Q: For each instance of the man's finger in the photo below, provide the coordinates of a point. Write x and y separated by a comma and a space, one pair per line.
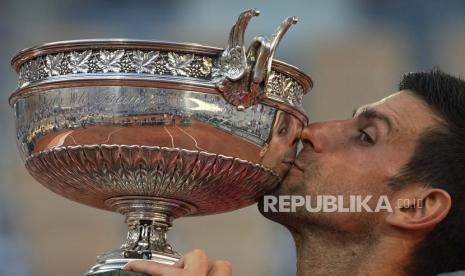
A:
196, 261
150, 267
220, 268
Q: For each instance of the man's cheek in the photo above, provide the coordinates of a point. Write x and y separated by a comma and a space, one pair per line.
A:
296, 189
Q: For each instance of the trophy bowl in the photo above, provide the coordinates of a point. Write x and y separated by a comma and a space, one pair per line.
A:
158, 130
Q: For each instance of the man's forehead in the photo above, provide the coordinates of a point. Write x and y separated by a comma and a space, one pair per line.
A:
389, 100
391, 97
405, 109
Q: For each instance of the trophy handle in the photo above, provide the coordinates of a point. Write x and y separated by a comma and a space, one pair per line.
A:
267, 49
242, 77
236, 36
233, 62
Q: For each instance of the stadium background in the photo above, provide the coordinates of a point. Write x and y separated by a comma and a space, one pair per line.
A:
355, 51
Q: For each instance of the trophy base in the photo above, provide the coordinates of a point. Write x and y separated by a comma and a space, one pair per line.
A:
113, 267
117, 272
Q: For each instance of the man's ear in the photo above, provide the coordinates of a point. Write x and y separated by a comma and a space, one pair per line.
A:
421, 212
264, 150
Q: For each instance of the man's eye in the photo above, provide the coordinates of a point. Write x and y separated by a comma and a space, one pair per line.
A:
366, 138
283, 130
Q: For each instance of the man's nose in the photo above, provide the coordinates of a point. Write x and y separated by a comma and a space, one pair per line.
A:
294, 139
322, 136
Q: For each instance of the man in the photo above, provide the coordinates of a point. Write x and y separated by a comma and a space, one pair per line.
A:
281, 148
409, 147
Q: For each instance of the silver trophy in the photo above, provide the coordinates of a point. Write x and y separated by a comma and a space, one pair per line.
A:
157, 130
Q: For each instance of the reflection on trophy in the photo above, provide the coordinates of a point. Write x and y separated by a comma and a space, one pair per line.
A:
157, 130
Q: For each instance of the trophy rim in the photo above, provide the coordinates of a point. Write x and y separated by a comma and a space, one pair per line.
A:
91, 44
98, 43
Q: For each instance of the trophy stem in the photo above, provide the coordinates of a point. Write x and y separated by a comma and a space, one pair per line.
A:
148, 219
146, 237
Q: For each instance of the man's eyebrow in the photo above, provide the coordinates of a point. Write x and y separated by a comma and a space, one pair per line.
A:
369, 113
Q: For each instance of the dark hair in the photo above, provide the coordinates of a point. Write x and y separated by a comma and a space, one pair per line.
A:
439, 161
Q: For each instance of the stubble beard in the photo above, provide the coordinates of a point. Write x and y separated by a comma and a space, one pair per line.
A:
295, 183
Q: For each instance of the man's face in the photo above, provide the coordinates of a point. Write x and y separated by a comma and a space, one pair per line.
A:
279, 154
355, 157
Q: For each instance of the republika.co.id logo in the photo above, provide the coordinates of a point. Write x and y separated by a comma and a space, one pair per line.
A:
332, 203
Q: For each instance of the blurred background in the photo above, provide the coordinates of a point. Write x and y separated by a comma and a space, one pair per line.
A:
355, 51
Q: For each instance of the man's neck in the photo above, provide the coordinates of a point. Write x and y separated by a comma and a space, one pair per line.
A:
323, 252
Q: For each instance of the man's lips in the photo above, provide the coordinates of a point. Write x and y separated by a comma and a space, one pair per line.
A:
298, 166
288, 163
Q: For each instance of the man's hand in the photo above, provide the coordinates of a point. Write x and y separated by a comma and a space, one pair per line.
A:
194, 263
